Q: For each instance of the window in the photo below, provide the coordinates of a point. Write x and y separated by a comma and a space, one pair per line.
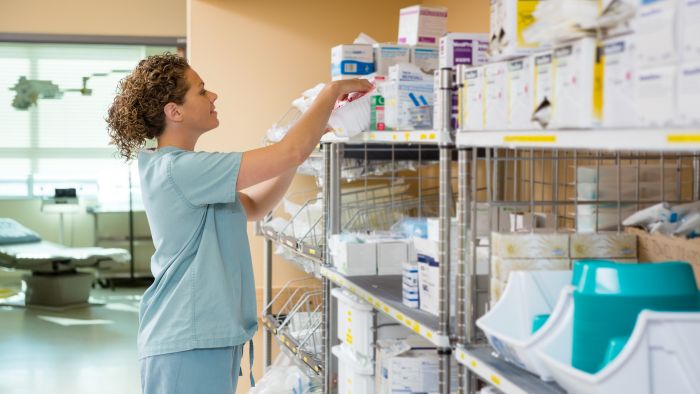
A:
63, 142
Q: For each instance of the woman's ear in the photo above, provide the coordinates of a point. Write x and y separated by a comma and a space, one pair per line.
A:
172, 112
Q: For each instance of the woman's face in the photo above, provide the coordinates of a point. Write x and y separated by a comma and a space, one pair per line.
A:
198, 109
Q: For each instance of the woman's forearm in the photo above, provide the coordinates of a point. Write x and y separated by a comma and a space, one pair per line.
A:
264, 196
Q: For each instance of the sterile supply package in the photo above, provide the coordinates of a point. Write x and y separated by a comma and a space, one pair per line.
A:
387, 55
351, 61
352, 115
425, 57
285, 377
603, 246
520, 80
509, 18
472, 111
408, 105
496, 96
577, 85
689, 29
619, 82
405, 72
655, 33
463, 48
688, 94
422, 25
543, 75
656, 96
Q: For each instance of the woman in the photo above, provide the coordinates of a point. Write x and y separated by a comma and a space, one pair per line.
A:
200, 310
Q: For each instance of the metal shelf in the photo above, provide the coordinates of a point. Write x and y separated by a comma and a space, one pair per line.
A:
502, 374
425, 137
292, 245
658, 140
384, 294
270, 323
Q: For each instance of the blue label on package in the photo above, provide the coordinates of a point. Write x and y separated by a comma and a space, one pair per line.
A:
352, 67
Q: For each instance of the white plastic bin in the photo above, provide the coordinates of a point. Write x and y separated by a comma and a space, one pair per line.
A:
662, 356
508, 326
354, 376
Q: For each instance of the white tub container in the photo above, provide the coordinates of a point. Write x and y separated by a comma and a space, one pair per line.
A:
508, 326
661, 356
354, 375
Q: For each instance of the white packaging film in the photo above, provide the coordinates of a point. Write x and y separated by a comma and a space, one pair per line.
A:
520, 80
495, 96
655, 34
655, 98
577, 98
351, 116
472, 115
425, 57
508, 20
387, 55
688, 94
422, 25
463, 48
351, 61
619, 82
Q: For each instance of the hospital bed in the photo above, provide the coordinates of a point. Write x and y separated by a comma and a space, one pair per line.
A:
55, 279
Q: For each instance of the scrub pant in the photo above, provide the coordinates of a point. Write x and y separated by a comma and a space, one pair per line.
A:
213, 370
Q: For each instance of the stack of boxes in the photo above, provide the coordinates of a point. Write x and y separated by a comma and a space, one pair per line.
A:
534, 251
366, 255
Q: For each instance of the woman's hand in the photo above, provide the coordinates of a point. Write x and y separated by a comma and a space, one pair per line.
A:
341, 89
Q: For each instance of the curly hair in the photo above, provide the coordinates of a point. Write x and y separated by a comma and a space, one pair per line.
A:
137, 111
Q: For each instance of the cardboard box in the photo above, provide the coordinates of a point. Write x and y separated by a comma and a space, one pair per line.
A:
658, 247
509, 18
543, 75
690, 30
530, 245
429, 284
422, 25
655, 33
387, 55
356, 258
656, 96
351, 61
402, 100
502, 267
408, 368
472, 100
688, 93
496, 97
391, 256
520, 80
604, 217
426, 57
404, 72
603, 246
577, 92
619, 82
463, 48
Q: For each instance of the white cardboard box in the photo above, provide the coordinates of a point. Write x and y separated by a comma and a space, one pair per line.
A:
391, 256
577, 98
356, 258
655, 33
472, 115
387, 55
463, 48
656, 96
399, 100
405, 72
688, 93
422, 25
619, 82
543, 75
690, 30
496, 97
521, 103
351, 61
530, 245
426, 57
604, 246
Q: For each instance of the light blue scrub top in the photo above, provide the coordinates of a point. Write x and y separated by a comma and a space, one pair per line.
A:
203, 295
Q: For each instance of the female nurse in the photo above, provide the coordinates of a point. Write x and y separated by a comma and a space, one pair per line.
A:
200, 310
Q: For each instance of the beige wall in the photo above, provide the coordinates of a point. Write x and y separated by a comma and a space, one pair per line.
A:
465, 16
94, 17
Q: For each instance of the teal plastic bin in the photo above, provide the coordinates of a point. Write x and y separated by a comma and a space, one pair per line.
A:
610, 296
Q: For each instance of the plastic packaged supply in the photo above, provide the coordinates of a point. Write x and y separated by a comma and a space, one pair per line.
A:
387, 55
688, 93
463, 48
509, 18
655, 25
689, 224
543, 80
351, 61
655, 213
619, 82
400, 98
351, 116
520, 80
577, 98
690, 29
656, 96
422, 25
472, 101
425, 57
495, 96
